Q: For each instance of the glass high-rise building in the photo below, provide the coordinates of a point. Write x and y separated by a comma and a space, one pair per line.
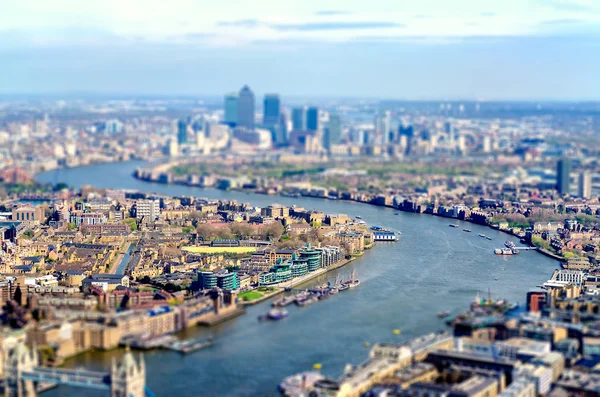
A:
182, 132
333, 132
231, 109
245, 117
312, 119
299, 119
271, 110
563, 176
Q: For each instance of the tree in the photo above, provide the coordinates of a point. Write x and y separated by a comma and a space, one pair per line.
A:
206, 231
132, 222
71, 226
242, 230
272, 231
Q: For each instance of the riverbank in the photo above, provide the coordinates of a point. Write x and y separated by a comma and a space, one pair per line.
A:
281, 287
391, 206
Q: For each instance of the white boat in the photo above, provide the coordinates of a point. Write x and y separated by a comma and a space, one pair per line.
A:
353, 282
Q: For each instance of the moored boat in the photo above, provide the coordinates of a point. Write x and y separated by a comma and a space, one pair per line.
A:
467, 230
443, 314
277, 314
353, 282
284, 301
453, 225
482, 235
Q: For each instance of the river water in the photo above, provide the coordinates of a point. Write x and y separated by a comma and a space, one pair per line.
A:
404, 285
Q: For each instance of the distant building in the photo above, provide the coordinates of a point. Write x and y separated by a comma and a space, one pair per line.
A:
245, 108
333, 132
383, 126
271, 110
312, 119
274, 120
231, 109
182, 132
563, 176
585, 185
113, 126
299, 119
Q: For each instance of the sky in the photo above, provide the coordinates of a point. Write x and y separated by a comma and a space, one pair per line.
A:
389, 49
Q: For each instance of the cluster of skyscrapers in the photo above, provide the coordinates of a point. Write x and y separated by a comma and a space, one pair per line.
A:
240, 111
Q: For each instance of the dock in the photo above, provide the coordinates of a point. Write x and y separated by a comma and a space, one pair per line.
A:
522, 248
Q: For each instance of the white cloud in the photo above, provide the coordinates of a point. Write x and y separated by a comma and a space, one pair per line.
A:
237, 22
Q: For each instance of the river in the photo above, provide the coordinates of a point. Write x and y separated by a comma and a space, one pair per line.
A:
403, 285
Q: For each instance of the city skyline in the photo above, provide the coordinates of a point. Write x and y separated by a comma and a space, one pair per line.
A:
464, 50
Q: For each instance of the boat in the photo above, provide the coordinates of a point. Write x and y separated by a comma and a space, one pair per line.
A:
358, 217
380, 234
277, 314
443, 314
488, 237
189, 346
482, 235
395, 213
353, 282
307, 301
343, 287
509, 244
286, 300
506, 251
452, 225
300, 384
496, 278
467, 230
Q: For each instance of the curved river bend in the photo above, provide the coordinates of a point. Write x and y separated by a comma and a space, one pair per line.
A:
403, 285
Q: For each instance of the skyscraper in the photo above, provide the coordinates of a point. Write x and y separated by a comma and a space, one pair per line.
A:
272, 110
245, 116
299, 119
312, 119
563, 176
585, 185
383, 123
333, 132
231, 109
181, 132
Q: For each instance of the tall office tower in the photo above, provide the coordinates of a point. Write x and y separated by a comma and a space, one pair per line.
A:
383, 123
182, 132
585, 185
271, 110
333, 132
299, 119
281, 130
563, 176
245, 116
312, 119
231, 109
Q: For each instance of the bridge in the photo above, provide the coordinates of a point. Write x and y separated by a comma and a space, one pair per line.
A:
23, 373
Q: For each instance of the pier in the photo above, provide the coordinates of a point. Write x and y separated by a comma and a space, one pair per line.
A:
521, 248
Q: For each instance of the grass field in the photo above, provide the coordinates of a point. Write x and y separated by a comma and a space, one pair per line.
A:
250, 296
217, 250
